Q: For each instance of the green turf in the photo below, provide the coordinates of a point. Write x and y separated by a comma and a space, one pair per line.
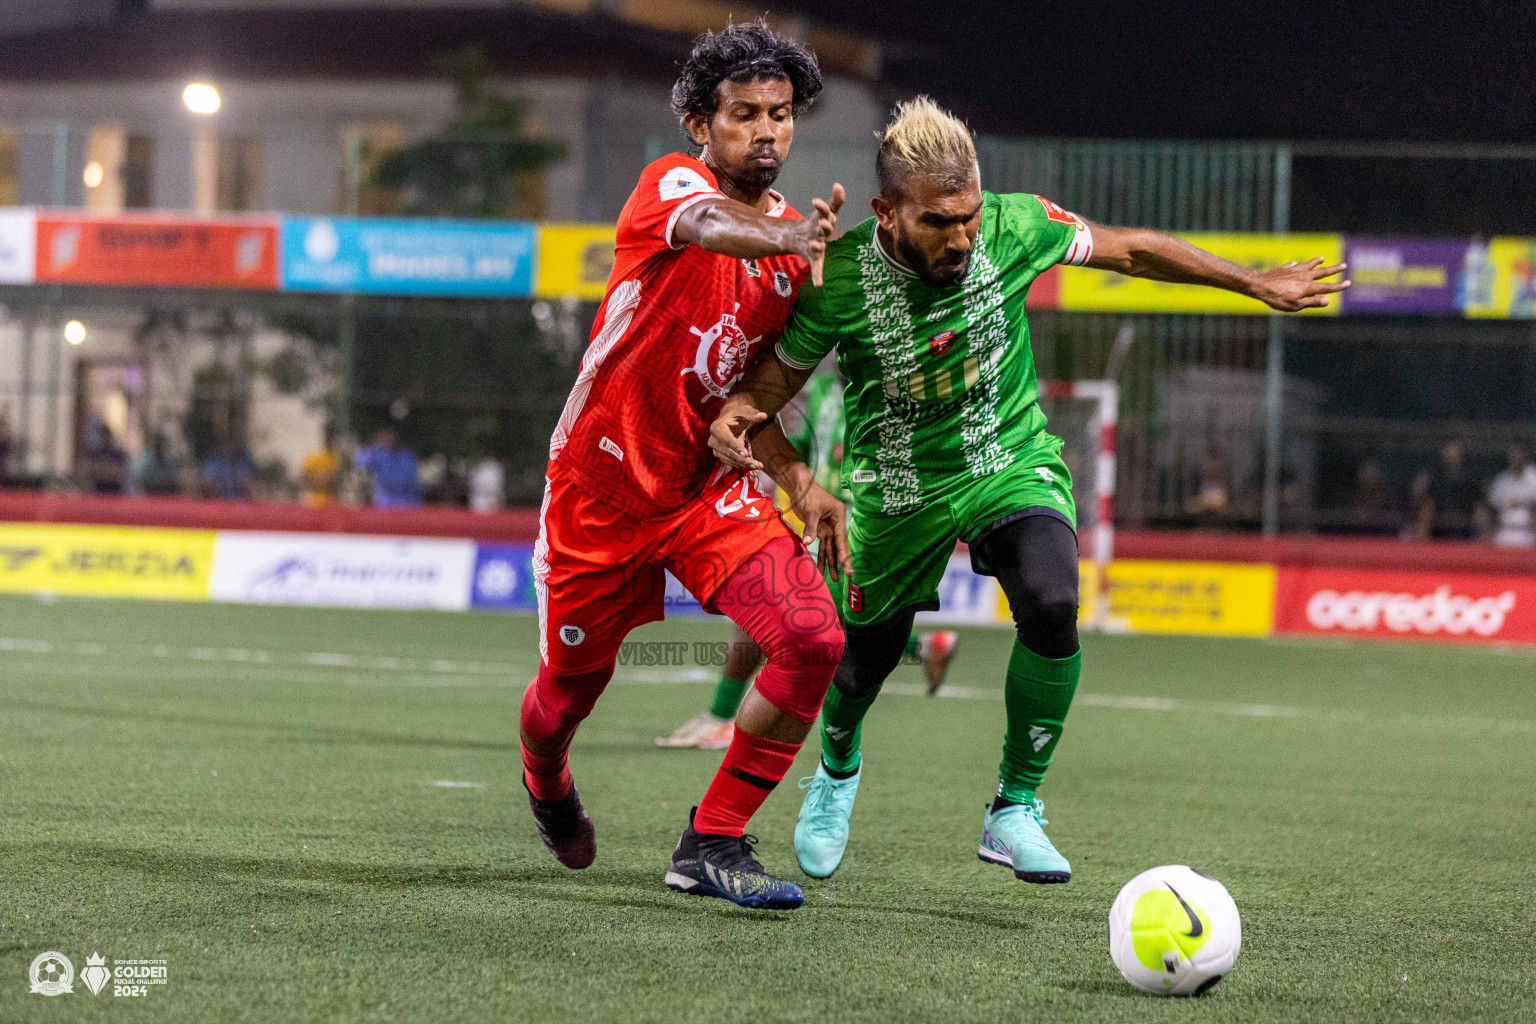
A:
249, 794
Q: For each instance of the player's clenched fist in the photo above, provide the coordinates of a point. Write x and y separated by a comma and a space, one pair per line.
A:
817, 230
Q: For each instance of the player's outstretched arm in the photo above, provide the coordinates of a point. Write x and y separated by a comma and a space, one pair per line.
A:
762, 391
1138, 252
737, 230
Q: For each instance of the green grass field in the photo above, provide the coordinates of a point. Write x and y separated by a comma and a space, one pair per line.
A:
255, 796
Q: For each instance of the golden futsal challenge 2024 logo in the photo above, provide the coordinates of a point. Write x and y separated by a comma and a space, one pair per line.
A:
53, 974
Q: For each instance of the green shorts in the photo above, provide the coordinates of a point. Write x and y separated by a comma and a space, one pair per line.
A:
898, 560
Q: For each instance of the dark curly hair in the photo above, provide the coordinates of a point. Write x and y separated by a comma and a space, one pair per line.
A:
741, 53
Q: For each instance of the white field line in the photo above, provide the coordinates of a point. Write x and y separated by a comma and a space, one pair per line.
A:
287, 666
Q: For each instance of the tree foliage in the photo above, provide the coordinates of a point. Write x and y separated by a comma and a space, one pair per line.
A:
481, 164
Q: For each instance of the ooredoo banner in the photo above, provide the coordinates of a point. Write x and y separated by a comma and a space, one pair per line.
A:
1406, 605
339, 571
156, 251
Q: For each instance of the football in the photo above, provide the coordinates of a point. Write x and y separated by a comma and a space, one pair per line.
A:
1174, 931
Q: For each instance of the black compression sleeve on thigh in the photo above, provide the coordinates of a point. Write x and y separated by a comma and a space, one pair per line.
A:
870, 653
1035, 560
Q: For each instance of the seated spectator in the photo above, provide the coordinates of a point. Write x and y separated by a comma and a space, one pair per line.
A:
1454, 497
321, 472
1209, 502
391, 471
1421, 507
487, 486
154, 471
1372, 505
1512, 496
228, 474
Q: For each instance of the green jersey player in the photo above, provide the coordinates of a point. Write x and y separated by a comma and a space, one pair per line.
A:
816, 431
946, 441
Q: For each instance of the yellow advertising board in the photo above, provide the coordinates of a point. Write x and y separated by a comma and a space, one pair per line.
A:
1502, 284
1208, 598
105, 561
573, 261
1102, 291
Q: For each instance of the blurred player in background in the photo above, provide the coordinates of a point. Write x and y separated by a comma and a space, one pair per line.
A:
707, 263
813, 421
924, 304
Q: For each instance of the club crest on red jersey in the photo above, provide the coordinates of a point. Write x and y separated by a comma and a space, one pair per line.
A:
721, 356
940, 343
753, 270
743, 502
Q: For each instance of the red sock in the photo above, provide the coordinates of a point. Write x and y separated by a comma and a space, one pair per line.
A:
553, 706
547, 778
752, 767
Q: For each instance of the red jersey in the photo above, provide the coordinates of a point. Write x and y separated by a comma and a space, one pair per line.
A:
677, 328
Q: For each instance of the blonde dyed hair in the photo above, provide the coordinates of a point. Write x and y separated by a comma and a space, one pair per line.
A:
925, 139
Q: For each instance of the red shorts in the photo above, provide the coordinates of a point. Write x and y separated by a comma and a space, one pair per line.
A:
599, 572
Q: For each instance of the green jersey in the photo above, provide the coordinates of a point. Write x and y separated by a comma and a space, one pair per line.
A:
941, 380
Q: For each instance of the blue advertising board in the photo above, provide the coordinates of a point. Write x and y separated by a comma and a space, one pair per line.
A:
503, 581
388, 256
503, 578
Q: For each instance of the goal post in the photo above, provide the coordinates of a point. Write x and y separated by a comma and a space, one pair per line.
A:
1084, 414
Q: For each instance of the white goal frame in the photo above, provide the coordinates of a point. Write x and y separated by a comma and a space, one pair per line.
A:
1102, 549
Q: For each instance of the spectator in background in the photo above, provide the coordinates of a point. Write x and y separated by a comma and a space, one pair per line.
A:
487, 486
321, 472
228, 474
392, 472
1211, 499
1372, 505
154, 471
1512, 496
1450, 509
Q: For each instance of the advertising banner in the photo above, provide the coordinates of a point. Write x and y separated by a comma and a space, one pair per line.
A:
18, 246
341, 571
105, 561
1202, 598
1103, 291
156, 251
382, 256
966, 598
1404, 275
503, 579
574, 261
1499, 280
1407, 605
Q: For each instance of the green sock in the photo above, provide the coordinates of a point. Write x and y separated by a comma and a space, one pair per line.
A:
842, 719
914, 651
728, 694
1038, 693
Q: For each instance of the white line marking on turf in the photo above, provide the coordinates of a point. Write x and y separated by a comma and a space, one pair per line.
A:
450, 784
268, 666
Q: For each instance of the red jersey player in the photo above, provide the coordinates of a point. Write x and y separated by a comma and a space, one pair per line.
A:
708, 262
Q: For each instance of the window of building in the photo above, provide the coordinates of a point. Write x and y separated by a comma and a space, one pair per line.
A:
239, 170
138, 172
363, 148
10, 191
